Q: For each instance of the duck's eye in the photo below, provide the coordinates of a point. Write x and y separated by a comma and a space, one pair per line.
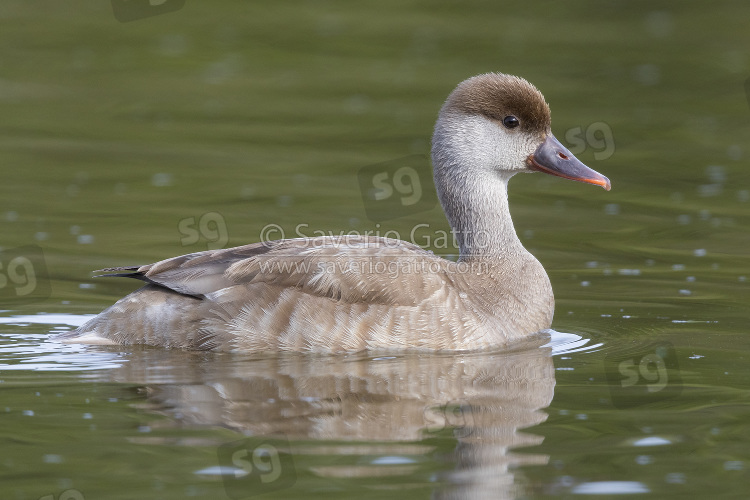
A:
511, 121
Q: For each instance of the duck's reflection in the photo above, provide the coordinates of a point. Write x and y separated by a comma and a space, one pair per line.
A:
375, 408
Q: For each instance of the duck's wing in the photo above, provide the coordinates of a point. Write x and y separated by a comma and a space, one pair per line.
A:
351, 269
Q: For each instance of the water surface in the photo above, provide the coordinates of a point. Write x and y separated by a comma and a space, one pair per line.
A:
216, 124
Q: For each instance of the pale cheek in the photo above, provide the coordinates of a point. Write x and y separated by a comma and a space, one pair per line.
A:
513, 153
529, 147
478, 143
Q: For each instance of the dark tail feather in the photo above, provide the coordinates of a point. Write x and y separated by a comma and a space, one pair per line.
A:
129, 269
139, 276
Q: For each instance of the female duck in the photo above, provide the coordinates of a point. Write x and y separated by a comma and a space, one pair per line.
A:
325, 294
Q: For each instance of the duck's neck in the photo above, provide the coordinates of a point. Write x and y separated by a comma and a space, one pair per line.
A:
476, 204
467, 155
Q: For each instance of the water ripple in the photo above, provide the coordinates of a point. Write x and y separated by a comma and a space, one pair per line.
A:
564, 343
35, 352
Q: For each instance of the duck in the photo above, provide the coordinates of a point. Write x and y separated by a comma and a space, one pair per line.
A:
326, 295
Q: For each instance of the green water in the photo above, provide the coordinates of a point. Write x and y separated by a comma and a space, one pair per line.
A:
126, 143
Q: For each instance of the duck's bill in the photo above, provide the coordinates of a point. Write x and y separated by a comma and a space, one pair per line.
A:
555, 159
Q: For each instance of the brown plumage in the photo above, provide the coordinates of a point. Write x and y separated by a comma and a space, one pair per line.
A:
497, 98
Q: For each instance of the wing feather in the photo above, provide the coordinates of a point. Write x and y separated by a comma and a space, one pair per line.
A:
353, 269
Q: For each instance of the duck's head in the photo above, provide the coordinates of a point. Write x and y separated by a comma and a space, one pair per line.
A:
501, 123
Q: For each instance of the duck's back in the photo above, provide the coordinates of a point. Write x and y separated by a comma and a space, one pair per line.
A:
324, 295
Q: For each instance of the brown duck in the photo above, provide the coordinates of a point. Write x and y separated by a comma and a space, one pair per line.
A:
325, 294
